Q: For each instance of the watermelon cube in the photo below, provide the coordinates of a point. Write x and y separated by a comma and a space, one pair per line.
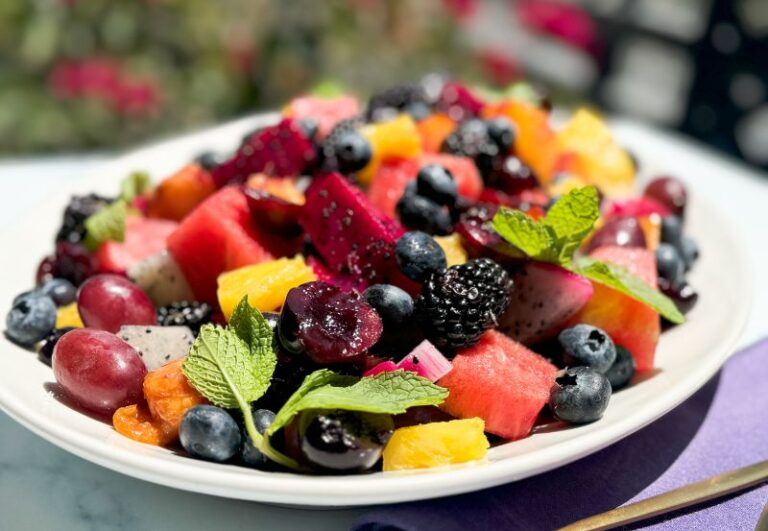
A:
630, 323
143, 238
219, 235
500, 381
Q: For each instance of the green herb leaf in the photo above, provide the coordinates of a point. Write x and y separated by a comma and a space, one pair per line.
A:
250, 326
571, 219
388, 392
136, 184
328, 89
221, 366
528, 235
620, 279
108, 224
313, 381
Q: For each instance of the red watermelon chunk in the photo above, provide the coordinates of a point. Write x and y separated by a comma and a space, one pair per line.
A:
500, 381
219, 235
630, 323
389, 182
143, 238
327, 112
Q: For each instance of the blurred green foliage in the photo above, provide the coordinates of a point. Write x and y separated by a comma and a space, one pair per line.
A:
84, 74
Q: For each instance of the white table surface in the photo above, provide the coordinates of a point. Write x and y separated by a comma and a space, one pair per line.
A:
43, 487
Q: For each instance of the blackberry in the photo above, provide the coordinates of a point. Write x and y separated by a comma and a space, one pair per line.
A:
401, 98
458, 304
472, 139
192, 314
80, 208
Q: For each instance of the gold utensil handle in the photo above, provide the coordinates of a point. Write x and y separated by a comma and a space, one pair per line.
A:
762, 524
694, 493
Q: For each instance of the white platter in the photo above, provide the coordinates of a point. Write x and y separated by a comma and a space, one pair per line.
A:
687, 357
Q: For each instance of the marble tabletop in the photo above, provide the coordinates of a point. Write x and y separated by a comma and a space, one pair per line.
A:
43, 487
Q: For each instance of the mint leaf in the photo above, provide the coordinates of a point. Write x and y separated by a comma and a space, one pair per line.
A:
220, 366
327, 89
134, 185
620, 279
389, 392
250, 326
108, 224
571, 219
226, 371
528, 235
313, 381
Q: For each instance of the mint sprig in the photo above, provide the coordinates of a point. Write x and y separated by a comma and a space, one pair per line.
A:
134, 185
233, 367
108, 224
557, 237
389, 393
620, 279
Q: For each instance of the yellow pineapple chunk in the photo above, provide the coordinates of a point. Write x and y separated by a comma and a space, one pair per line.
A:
266, 284
455, 253
436, 444
68, 316
398, 138
599, 159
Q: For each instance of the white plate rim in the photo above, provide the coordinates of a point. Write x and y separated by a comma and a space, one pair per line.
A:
236, 482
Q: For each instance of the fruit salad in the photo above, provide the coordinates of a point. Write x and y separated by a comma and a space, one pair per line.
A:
386, 284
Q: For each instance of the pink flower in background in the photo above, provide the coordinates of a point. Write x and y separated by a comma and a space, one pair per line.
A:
102, 79
562, 20
500, 67
461, 9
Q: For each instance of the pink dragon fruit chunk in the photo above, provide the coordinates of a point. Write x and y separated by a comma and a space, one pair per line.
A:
545, 296
425, 360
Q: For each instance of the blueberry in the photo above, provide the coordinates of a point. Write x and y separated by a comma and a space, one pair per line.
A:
343, 441
419, 213
690, 251
670, 264
61, 290
32, 317
45, 353
672, 230
209, 433
249, 454
683, 295
393, 304
580, 395
589, 346
622, 370
208, 160
351, 152
502, 133
435, 182
419, 255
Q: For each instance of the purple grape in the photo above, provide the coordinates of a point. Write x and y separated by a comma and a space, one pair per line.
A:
622, 232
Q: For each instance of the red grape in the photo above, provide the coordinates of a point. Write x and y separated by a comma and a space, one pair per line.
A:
107, 302
98, 370
623, 232
670, 192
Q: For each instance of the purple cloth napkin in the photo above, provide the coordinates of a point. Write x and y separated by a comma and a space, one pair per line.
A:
722, 427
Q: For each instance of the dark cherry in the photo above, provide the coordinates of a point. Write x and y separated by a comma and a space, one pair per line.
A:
512, 176
421, 415
274, 212
329, 325
343, 441
73, 262
621, 231
481, 240
670, 192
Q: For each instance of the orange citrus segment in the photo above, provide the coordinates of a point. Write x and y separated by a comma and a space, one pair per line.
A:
398, 138
68, 316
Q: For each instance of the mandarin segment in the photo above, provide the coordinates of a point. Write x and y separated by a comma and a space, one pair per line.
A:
68, 316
